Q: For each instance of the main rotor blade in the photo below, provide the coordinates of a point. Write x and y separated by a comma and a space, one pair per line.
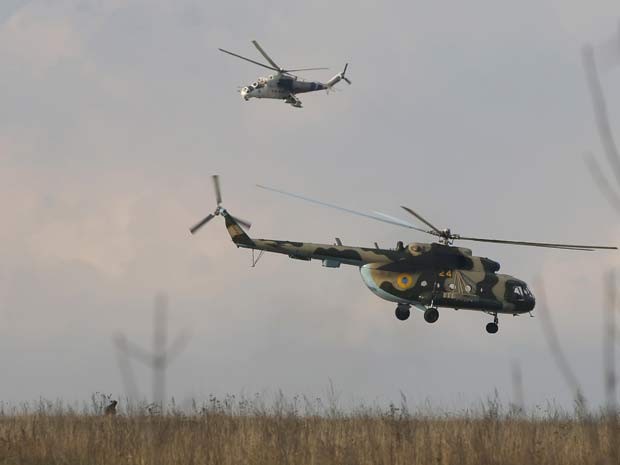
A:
541, 244
199, 225
267, 57
218, 192
303, 69
409, 210
248, 59
336, 207
401, 222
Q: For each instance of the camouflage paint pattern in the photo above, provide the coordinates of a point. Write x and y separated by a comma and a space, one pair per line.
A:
419, 274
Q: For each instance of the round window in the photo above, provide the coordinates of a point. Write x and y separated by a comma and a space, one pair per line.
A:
468, 288
423, 284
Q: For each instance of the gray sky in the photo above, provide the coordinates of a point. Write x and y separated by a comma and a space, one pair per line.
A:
115, 113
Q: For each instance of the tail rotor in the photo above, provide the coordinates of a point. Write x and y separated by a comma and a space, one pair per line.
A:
219, 210
342, 75
337, 78
218, 191
194, 229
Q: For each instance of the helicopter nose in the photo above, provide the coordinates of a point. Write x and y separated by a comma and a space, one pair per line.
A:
245, 93
529, 302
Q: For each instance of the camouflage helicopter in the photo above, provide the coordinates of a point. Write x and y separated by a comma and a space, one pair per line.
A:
283, 85
425, 276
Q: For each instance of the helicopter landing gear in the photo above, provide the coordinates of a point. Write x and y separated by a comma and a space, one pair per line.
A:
402, 312
431, 315
492, 328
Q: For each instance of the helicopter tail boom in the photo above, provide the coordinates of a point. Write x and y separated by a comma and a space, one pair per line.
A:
237, 234
332, 255
337, 78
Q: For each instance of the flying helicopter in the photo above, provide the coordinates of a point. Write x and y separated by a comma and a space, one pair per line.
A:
425, 276
283, 84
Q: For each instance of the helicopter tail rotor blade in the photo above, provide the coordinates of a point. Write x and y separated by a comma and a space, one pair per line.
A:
338, 77
344, 71
218, 191
246, 224
219, 210
194, 229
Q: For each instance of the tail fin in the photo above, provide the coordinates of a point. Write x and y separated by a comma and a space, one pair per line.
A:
337, 78
237, 234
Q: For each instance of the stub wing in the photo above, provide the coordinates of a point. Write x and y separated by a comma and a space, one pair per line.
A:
293, 100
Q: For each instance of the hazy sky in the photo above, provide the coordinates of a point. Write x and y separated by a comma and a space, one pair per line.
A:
114, 114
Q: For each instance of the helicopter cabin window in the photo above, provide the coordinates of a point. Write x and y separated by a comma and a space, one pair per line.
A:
285, 83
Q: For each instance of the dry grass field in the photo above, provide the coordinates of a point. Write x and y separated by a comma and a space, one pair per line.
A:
284, 436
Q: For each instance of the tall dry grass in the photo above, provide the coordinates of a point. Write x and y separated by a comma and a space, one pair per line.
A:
223, 433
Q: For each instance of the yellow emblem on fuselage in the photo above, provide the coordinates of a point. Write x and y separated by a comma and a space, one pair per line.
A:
404, 281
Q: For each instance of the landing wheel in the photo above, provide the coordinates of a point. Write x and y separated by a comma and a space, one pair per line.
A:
402, 312
431, 315
492, 328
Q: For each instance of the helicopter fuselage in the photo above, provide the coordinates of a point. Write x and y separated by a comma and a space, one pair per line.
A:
421, 274
458, 288
279, 86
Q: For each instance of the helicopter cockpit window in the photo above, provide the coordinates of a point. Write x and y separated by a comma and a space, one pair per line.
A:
518, 293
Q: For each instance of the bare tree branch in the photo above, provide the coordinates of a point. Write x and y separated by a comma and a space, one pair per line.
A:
555, 347
127, 375
609, 343
132, 350
600, 111
601, 182
609, 360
